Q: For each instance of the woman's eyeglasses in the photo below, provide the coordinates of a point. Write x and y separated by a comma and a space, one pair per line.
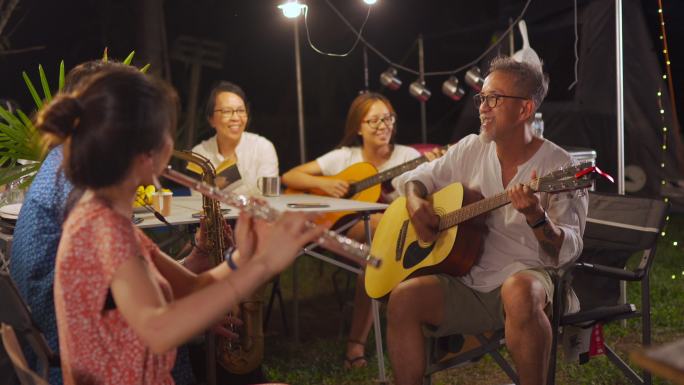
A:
228, 113
388, 120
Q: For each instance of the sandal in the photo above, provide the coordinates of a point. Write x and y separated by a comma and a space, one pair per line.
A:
357, 361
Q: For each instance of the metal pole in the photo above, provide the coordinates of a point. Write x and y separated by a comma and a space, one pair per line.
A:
620, 112
620, 98
423, 110
300, 96
366, 83
511, 39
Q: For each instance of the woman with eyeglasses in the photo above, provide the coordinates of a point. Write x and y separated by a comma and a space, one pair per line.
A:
368, 137
227, 111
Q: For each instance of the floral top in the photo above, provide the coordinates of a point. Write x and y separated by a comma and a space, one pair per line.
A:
97, 346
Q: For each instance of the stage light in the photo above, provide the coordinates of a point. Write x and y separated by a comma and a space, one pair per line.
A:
370, 2
292, 9
474, 79
418, 91
451, 89
390, 80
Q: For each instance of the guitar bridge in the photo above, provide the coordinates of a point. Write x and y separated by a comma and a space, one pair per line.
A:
401, 240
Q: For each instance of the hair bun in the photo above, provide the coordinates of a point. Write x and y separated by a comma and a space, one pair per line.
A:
61, 116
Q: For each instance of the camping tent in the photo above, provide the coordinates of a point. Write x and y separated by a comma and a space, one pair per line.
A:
585, 116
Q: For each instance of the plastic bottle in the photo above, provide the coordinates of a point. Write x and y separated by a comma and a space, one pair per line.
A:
538, 125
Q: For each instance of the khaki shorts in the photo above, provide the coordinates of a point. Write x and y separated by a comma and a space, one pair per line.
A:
468, 311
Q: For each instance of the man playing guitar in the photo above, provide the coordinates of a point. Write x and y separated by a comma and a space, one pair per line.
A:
508, 287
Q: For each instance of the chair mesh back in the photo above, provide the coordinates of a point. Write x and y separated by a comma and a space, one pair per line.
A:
617, 227
13, 310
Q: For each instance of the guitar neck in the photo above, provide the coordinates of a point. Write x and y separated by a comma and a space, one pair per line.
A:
472, 210
388, 174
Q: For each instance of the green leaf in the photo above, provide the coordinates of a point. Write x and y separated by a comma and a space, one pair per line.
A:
61, 75
145, 68
105, 57
32, 90
44, 83
25, 119
9, 117
129, 58
10, 174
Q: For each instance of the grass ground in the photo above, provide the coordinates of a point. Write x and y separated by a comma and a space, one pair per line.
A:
317, 358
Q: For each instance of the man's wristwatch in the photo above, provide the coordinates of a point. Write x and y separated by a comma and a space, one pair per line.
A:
539, 222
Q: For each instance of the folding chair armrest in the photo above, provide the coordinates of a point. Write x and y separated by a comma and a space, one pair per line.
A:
610, 272
602, 314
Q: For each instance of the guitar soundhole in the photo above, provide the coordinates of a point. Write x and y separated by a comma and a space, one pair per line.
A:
401, 240
416, 254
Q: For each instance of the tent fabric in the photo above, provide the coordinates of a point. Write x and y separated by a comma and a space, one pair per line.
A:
585, 116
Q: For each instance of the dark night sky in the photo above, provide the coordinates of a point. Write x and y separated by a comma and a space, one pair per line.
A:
258, 44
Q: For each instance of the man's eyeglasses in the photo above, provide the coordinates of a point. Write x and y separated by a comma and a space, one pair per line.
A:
228, 113
492, 100
374, 123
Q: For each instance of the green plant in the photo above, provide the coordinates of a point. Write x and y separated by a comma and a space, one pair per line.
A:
22, 150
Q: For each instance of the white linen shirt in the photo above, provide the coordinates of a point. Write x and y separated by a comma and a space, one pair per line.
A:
256, 157
510, 245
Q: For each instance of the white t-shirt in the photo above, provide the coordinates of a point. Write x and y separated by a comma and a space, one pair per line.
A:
337, 160
510, 245
256, 157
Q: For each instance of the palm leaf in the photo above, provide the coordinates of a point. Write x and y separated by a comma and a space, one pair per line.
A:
61, 75
44, 83
9, 117
129, 58
32, 90
15, 172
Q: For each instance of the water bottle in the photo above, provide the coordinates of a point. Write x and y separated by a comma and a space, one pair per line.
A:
538, 125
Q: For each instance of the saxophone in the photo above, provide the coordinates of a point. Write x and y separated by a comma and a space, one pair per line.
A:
247, 354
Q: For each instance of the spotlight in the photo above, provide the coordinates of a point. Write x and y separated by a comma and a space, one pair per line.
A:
370, 2
390, 80
292, 8
451, 89
418, 91
474, 79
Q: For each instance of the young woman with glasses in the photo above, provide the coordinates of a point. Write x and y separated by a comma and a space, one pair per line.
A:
368, 137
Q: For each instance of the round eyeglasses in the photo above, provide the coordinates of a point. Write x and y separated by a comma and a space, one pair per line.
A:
374, 123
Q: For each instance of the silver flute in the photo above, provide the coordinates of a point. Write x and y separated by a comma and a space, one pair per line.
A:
346, 247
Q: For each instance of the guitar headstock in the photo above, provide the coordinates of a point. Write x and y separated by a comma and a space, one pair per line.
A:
572, 177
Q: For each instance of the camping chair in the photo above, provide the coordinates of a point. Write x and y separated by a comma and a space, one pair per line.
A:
17, 325
617, 227
16, 355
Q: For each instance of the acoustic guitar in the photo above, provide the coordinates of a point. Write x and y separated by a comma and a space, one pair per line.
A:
364, 185
461, 227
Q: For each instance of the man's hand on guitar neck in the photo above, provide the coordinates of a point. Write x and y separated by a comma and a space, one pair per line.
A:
423, 217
